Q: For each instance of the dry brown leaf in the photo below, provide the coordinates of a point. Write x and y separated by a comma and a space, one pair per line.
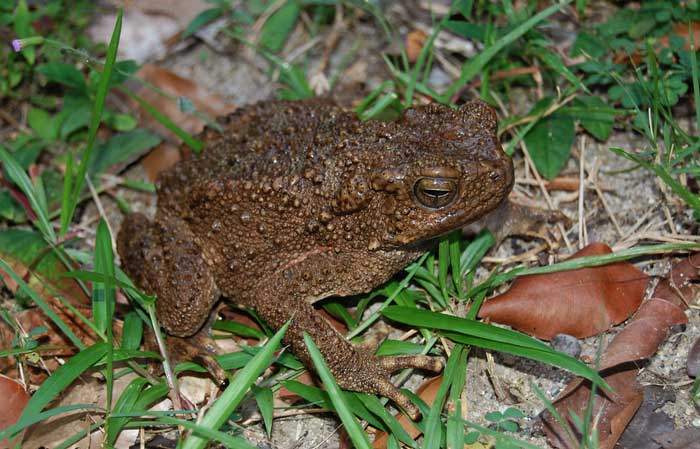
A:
611, 413
644, 333
427, 391
27, 255
581, 302
681, 286
165, 155
638, 340
415, 40
14, 399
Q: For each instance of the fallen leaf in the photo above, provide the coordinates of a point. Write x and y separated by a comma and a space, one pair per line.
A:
612, 413
27, 254
680, 286
415, 40
14, 399
581, 302
638, 340
167, 154
643, 335
30, 257
53, 431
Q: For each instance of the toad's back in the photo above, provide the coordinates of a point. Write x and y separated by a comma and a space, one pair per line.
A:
265, 141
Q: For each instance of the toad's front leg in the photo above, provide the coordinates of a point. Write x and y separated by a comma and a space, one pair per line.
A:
354, 368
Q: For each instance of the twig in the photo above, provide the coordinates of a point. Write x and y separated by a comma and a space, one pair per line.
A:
547, 198
593, 176
582, 235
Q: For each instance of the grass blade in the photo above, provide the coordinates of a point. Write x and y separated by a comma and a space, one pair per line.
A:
434, 429
42, 305
475, 65
375, 406
239, 386
195, 144
126, 403
103, 300
38, 417
95, 118
475, 333
548, 355
36, 198
263, 397
61, 378
200, 431
352, 426
425, 318
103, 294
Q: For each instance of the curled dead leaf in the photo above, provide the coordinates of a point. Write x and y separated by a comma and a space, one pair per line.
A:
644, 333
581, 302
612, 412
176, 87
14, 399
638, 340
681, 286
415, 40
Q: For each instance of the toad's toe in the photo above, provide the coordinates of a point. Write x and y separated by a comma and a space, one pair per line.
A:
201, 349
383, 386
395, 363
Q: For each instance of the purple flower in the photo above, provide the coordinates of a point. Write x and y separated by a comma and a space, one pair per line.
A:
19, 44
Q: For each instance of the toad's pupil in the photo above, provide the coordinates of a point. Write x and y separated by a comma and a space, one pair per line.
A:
436, 193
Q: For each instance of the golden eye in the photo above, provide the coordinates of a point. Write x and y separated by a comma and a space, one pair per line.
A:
435, 193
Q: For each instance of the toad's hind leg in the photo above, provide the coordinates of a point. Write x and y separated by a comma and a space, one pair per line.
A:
162, 258
354, 368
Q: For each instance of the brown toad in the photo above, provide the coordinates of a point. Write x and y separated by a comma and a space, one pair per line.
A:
299, 201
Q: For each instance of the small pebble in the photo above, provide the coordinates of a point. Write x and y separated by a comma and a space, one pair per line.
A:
567, 344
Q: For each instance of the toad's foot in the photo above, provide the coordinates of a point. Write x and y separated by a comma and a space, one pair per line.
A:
199, 348
374, 377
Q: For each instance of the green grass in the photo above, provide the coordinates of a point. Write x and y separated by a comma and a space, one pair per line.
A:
595, 95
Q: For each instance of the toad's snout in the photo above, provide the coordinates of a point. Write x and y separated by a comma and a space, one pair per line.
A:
497, 174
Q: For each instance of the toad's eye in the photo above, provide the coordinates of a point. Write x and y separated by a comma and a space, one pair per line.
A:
435, 193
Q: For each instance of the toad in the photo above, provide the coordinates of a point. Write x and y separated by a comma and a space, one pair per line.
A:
300, 201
